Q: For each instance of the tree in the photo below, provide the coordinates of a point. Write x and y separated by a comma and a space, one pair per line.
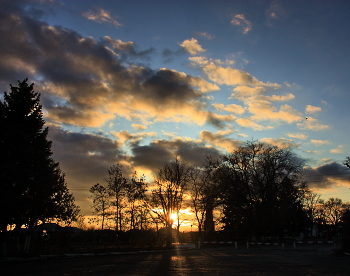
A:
334, 209
136, 196
100, 203
32, 185
205, 190
117, 185
167, 196
263, 190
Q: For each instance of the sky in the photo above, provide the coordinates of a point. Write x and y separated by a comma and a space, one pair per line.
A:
140, 83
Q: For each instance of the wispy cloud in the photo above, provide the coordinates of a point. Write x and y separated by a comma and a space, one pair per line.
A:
239, 20
320, 142
301, 136
101, 16
204, 34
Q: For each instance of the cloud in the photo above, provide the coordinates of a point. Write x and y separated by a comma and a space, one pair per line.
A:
338, 150
152, 157
219, 120
275, 13
280, 142
231, 108
85, 159
138, 126
312, 124
312, 109
229, 76
320, 142
244, 122
301, 136
126, 136
327, 175
239, 20
101, 16
261, 107
70, 116
205, 35
192, 46
219, 140
87, 82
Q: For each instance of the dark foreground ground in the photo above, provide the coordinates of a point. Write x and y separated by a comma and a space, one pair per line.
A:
305, 260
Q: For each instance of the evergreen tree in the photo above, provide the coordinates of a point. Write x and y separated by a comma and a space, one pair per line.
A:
32, 185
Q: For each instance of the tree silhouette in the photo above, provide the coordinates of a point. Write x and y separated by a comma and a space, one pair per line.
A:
32, 185
167, 196
264, 190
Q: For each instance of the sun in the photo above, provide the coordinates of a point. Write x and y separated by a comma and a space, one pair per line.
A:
173, 216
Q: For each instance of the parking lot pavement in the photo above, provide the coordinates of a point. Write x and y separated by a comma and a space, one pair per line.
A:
308, 260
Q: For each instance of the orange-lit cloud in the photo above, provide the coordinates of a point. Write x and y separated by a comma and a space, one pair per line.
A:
320, 142
312, 124
301, 136
244, 122
280, 142
192, 46
219, 140
312, 109
232, 108
327, 176
101, 16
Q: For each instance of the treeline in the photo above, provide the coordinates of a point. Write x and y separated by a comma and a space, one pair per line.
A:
258, 191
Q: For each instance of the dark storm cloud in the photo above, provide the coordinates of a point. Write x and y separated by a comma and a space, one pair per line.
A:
327, 175
85, 158
169, 55
157, 153
168, 86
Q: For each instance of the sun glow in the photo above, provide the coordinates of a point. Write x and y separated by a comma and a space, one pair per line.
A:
173, 217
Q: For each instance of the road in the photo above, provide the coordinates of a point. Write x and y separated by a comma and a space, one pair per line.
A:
306, 261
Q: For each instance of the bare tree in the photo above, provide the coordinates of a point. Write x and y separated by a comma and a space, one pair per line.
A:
205, 191
136, 196
167, 196
117, 186
334, 209
100, 203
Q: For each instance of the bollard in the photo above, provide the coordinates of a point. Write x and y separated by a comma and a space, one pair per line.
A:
247, 245
282, 245
235, 245
294, 245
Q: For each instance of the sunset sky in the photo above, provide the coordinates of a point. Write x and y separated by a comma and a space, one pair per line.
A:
142, 82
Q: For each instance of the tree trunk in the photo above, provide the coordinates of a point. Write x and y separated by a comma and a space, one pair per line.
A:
169, 236
209, 218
